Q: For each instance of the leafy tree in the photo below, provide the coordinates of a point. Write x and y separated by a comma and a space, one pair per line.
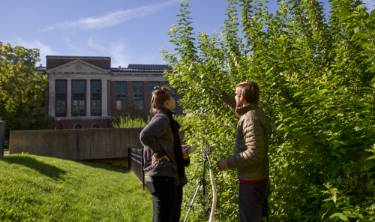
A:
22, 88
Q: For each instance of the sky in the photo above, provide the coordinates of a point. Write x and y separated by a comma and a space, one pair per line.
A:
128, 31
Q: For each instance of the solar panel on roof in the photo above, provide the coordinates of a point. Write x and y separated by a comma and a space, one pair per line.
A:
148, 67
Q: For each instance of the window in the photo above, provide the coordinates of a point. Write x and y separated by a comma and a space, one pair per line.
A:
96, 97
138, 95
173, 92
78, 97
121, 90
60, 98
150, 87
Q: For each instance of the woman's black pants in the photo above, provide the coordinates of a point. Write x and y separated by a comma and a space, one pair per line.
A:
163, 190
179, 196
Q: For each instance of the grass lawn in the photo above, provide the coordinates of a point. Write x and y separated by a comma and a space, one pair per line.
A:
34, 188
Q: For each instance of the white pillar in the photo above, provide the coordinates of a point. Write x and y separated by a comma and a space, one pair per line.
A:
69, 98
51, 96
104, 98
88, 97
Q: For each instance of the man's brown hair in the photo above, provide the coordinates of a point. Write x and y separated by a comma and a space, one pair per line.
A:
160, 94
249, 90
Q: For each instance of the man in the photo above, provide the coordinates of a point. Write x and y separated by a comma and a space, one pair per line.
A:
250, 157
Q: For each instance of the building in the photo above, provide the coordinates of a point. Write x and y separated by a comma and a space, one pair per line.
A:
86, 92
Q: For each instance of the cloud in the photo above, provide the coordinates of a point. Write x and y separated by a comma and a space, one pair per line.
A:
75, 48
116, 50
44, 49
111, 19
121, 54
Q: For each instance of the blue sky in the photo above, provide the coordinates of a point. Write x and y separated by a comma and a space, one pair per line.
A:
128, 31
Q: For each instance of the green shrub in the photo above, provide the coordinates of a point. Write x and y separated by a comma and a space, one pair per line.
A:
317, 83
127, 122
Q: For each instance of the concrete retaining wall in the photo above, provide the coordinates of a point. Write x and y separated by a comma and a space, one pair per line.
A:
76, 144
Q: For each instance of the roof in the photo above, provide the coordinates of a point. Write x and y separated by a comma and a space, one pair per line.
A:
41, 68
143, 68
102, 62
149, 67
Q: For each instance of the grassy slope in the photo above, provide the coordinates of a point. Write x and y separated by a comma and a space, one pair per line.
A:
34, 188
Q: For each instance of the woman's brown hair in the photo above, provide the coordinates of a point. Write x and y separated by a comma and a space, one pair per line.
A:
160, 94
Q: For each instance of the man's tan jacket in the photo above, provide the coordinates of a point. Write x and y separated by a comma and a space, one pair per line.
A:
251, 148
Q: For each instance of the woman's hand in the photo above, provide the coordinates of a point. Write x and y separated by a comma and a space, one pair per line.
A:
155, 159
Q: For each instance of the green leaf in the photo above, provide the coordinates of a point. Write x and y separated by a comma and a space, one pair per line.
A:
341, 216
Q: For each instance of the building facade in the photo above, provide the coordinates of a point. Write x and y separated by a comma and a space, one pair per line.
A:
86, 92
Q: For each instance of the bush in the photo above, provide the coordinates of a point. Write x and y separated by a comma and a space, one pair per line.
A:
317, 84
128, 122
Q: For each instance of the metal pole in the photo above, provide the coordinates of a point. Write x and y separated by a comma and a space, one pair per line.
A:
214, 192
197, 186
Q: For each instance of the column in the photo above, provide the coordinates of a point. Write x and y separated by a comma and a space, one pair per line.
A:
88, 97
69, 98
51, 96
104, 98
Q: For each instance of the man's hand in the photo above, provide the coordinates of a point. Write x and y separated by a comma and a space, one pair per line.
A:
222, 164
185, 155
185, 151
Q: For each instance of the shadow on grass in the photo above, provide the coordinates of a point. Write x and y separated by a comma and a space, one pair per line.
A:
30, 162
109, 167
103, 165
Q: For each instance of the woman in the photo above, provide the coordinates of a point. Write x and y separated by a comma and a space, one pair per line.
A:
163, 157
